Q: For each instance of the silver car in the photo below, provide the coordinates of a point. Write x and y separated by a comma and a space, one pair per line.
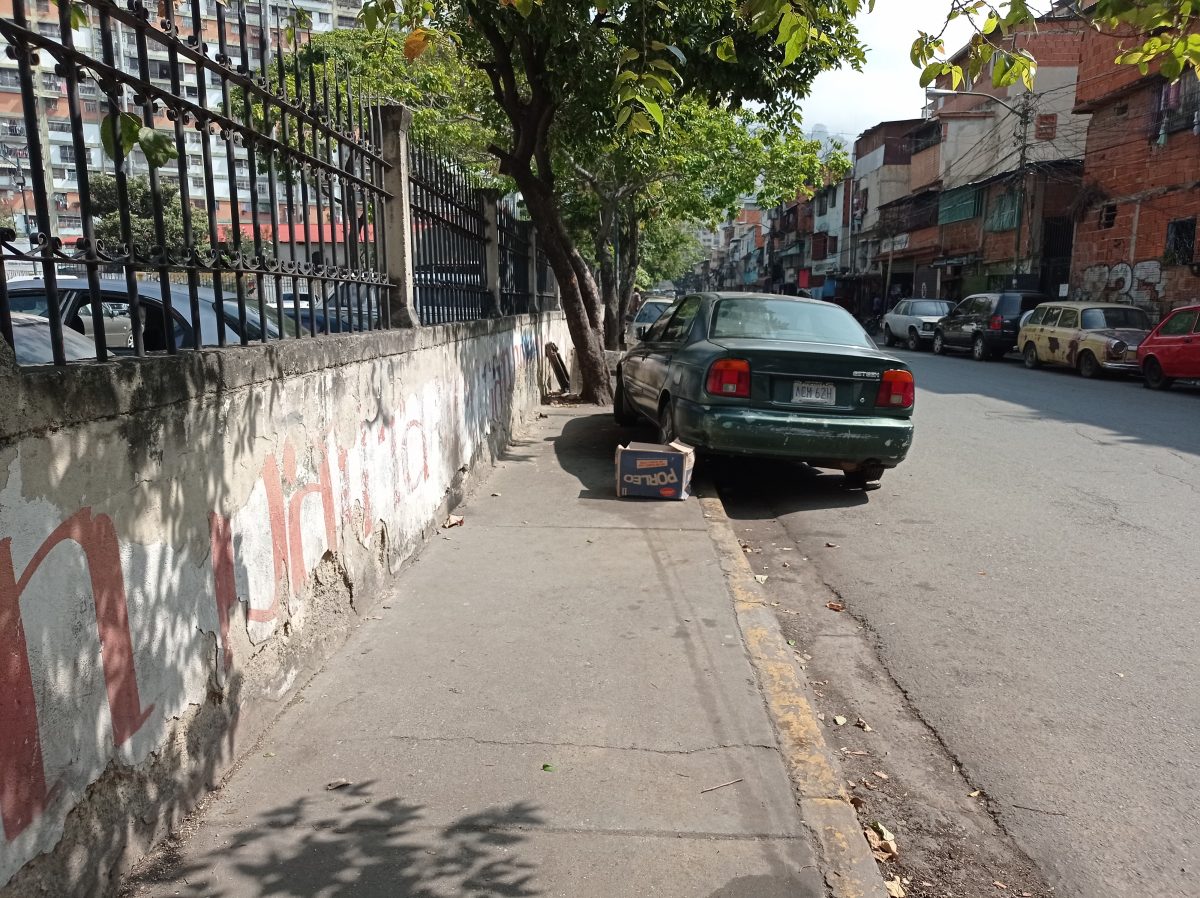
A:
649, 313
912, 321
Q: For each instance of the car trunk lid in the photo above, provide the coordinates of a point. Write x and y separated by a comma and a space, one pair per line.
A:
816, 377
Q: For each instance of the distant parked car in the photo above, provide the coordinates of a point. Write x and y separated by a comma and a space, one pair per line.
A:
649, 313
32, 346
1172, 351
912, 321
985, 324
74, 305
768, 375
26, 297
1089, 337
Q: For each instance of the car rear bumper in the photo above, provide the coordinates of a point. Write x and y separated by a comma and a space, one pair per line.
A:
823, 440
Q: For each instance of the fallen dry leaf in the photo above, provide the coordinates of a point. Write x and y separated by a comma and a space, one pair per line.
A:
855, 752
975, 794
820, 715
835, 606
831, 545
455, 520
337, 784
863, 725
882, 775
998, 884
761, 578
884, 832
839, 720
894, 888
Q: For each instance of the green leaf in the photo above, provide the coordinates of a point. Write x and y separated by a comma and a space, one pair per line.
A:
956, 77
125, 127
794, 46
990, 25
629, 54
653, 108
663, 66
929, 75
659, 83
725, 49
549, 768
157, 146
623, 115
640, 124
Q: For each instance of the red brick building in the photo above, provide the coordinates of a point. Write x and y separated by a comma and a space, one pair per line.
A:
1135, 237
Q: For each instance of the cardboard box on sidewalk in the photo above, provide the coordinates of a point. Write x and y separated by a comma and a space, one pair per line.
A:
654, 470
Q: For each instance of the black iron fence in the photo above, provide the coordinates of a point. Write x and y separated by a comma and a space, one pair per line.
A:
194, 174
449, 239
210, 155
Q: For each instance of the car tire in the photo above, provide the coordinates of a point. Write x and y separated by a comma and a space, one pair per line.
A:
864, 476
666, 422
625, 415
888, 339
939, 343
1031, 357
1088, 366
914, 340
979, 349
1154, 379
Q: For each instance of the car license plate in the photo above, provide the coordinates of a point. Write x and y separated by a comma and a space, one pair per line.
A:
810, 392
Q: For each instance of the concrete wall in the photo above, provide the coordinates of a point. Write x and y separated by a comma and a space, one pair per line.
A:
184, 540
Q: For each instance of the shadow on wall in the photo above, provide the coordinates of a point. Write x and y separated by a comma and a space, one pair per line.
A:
352, 845
168, 575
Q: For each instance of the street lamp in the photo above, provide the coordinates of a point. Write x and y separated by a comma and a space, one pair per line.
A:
1022, 112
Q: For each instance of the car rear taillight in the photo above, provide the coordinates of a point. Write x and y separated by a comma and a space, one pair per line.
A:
729, 377
996, 323
896, 390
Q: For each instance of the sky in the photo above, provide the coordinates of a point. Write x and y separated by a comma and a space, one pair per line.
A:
846, 102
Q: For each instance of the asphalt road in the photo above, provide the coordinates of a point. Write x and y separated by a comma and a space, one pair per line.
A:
1032, 575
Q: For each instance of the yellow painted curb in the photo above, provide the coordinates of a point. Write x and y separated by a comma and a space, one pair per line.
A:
846, 862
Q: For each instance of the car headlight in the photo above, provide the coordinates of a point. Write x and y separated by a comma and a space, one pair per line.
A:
1116, 349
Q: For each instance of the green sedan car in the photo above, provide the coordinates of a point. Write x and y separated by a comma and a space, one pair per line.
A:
764, 375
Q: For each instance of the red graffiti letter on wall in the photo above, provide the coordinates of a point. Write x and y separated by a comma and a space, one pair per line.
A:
323, 487
224, 581
22, 776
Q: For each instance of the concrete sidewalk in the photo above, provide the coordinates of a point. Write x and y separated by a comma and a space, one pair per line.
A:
536, 709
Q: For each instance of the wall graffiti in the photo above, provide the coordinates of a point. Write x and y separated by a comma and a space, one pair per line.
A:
1140, 284
308, 497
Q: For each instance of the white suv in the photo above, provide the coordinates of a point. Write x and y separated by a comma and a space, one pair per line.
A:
912, 321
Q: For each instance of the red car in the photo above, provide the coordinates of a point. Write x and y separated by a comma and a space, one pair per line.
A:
1172, 351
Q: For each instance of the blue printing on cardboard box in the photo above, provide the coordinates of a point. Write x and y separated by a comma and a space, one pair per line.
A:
653, 470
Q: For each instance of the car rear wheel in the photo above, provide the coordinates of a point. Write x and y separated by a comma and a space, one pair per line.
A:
1153, 373
939, 344
888, 339
666, 422
864, 476
914, 339
1088, 366
1031, 357
625, 415
979, 350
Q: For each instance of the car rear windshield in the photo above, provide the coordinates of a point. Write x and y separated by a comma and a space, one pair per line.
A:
787, 319
926, 307
1016, 303
651, 312
1101, 319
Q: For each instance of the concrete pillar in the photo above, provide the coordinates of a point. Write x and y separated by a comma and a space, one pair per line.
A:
397, 217
491, 250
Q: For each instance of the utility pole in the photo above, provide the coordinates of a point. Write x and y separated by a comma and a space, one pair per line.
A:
1023, 113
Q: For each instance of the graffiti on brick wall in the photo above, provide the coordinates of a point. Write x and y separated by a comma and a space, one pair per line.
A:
82, 622
1140, 284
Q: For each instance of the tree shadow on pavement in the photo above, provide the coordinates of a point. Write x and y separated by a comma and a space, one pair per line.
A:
586, 447
354, 847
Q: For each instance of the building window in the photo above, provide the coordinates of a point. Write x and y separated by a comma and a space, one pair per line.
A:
48, 29
822, 203
1181, 242
323, 18
9, 78
962, 204
831, 245
51, 82
1108, 216
346, 21
91, 107
1046, 127
66, 154
1002, 216
1179, 106
70, 222
59, 127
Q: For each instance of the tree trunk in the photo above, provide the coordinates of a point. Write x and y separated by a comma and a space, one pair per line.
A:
609, 288
580, 296
631, 252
